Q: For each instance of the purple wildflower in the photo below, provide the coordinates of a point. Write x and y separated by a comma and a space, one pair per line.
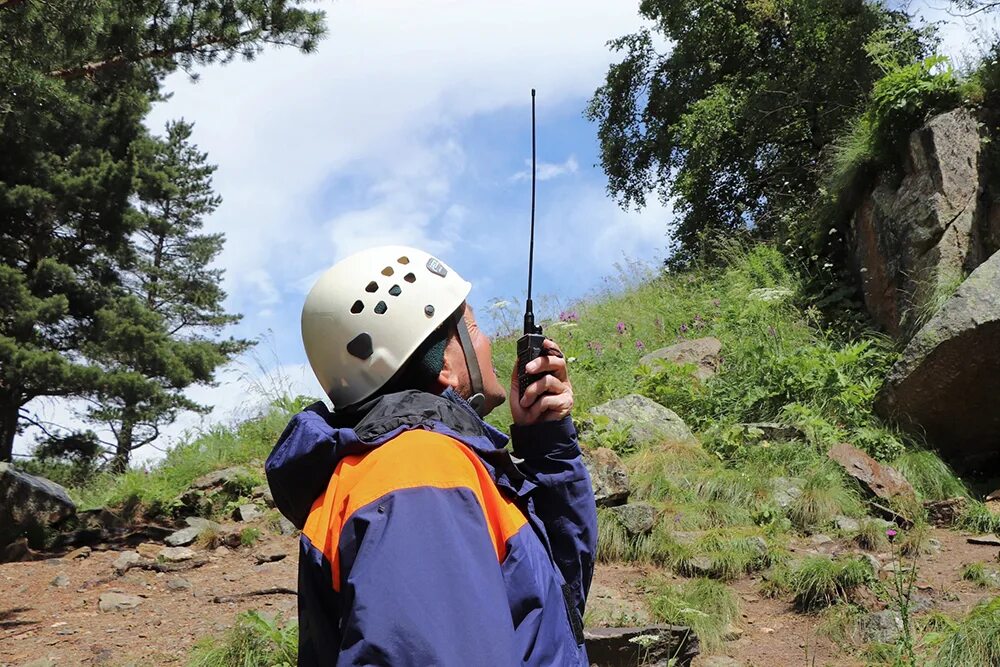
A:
595, 347
658, 323
568, 316
639, 346
698, 322
684, 329
716, 303
621, 327
890, 533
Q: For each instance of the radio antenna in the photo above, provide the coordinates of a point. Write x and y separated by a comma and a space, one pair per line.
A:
529, 315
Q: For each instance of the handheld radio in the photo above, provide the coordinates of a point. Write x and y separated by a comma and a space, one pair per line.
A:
530, 345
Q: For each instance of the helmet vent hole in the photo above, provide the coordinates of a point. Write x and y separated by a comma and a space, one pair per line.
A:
372, 287
357, 307
404, 260
360, 346
410, 278
387, 271
380, 308
429, 310
395, 290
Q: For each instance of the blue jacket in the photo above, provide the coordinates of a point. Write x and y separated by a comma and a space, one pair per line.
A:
424, 544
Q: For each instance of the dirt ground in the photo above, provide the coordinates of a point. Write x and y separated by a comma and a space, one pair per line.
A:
54, 624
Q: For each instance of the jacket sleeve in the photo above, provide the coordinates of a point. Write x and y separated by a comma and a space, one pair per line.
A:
421, 584
564, 498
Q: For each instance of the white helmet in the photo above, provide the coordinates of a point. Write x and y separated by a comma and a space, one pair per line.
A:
367, 314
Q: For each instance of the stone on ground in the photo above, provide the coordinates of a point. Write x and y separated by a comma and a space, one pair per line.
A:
270, 554
118, 602
883, 627
28, 504
946, 382
607, 475
661, 645
876, 478
635, 518
176, 554
249, 512
195, 527
702, 352
125, 560
649, 423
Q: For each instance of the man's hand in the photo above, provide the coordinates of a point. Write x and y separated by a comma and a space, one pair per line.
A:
548, 399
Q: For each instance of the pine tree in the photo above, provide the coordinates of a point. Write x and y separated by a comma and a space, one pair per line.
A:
76, 79
161, 336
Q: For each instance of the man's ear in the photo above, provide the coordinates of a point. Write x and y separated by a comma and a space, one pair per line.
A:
454, 360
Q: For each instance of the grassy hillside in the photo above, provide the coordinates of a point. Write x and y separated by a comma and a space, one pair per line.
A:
724, 506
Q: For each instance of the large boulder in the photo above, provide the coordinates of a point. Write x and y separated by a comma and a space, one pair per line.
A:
702, 352
29, 504
915, 237
608, 476
947, 381
647, 421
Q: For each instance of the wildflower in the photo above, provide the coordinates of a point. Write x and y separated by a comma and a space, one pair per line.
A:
658, 323
621, 327
716, 303
698, 322
890, 533
684, 329
595, 347
639, 346
568, 316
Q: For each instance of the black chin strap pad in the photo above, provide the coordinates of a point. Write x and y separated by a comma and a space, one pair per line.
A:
478, 398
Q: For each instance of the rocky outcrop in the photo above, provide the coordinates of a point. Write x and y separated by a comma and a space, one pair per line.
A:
608, 476
947, 381
916, 238
703, 353
875, 478
29, 504
647, 421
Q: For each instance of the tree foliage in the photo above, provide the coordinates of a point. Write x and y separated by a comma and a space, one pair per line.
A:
725, 107
76, 80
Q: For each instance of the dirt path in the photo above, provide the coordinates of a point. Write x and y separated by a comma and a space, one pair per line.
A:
39, 619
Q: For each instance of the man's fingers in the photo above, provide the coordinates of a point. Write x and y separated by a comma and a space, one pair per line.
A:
548, 364
547, 384
550, 407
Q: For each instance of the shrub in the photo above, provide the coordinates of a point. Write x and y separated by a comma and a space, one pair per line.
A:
818, 582
973, 641
706, 606
253, 641
824, 496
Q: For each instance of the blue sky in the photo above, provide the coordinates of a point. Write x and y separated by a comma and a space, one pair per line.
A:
411, 125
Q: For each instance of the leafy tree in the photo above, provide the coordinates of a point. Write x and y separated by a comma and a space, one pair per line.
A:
162, 335
76, 79
731, 122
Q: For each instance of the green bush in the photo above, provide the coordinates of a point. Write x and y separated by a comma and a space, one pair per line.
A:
705, 606
254, 641
932, 478
819, 582
974, 640
978, 518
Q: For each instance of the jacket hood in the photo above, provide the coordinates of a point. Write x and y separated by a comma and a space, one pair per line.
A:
307, 453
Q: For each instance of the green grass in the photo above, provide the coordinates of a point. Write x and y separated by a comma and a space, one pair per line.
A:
931, 477
977, 518
871, 535
979, 575
818, 582
707, 607
825, 495
253, 641
249, 536
974, 640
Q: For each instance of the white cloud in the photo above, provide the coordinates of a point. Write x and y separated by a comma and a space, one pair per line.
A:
546, 171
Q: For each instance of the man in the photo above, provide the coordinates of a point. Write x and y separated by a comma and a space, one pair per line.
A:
423, 543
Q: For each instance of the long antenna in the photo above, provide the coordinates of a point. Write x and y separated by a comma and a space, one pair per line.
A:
529, 316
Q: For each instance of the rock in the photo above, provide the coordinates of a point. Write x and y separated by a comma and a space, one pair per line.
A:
196, 526
176, 554
732, 633
658, 644
944, 513
125, 560
847, 524
754, 432
635, 518
947, 379
270, 554
149, 550
819, 540
28, 505
18, 551
985, 540
883, 627
877, 479
787, 490
178, 584
648, 422
702, 352
61, 581
78, 554
608, 476
263, 492
875, 563
912, 240
232, 478
699, 566
118, 602
992, 502
770, 294
249, 512
286, 527
920, 602
41, 662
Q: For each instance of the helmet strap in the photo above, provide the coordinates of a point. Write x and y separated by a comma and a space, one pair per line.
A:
478, 399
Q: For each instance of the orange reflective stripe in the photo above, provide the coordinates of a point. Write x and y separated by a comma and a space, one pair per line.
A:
414, 459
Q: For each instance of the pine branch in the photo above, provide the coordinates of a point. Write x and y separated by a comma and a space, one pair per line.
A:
90, 69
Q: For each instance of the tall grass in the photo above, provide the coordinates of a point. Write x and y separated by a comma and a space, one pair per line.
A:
973, 641
254, 640
705, 606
